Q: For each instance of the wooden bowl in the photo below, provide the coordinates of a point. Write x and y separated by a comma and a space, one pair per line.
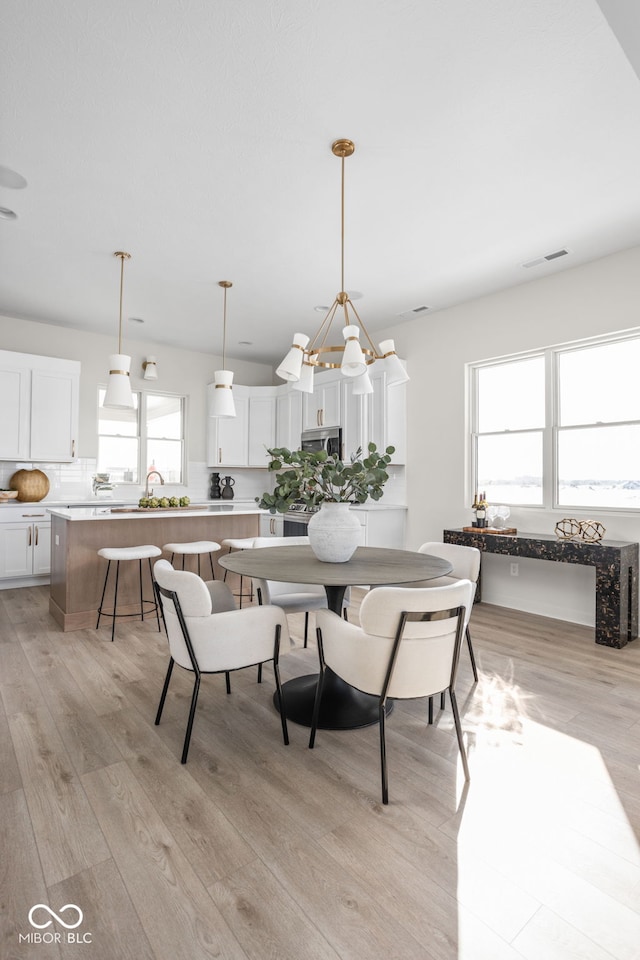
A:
8, 495
31, 485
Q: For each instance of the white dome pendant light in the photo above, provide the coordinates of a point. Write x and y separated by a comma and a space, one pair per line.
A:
222, 403
119, 393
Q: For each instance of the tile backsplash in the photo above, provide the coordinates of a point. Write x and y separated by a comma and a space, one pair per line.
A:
72, 482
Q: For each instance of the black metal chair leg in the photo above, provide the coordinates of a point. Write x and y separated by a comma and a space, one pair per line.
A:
276, 673
306, 627
192, 712
140, 579
213, 574
227, 678
383, 753
319, 689
471, 655
154, 594
104, 590
259, 673
430, 710
443, 702
164, 691
115, 603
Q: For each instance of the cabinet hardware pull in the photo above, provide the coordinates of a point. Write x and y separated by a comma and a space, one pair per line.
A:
73, 448
219, 454
36, 535
33, 514
29, 543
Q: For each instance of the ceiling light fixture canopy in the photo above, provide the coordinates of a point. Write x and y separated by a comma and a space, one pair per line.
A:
352, 356
222, 403
119, 393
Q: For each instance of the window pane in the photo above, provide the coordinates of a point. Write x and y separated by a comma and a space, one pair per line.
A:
166, 457
121, 423
511, 395
599, 466
510, 468
600, 384
118, 456
164, 417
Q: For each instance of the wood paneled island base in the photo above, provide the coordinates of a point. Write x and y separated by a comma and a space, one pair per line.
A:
77, 572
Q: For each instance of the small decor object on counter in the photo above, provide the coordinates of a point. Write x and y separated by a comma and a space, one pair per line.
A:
315, 478
591, 531
479, 507
8, 495
334, 532
32, 485
215, 492
153, 503
227, 489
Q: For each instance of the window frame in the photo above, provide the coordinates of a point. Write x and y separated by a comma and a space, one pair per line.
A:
142, 436
552, 428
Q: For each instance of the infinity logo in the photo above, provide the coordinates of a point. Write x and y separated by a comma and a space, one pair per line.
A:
43, 906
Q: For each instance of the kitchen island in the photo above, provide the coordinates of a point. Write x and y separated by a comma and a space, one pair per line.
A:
77, 572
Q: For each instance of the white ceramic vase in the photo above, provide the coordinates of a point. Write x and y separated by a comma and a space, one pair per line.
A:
334, 532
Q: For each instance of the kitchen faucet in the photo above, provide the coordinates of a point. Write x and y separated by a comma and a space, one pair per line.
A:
156, 473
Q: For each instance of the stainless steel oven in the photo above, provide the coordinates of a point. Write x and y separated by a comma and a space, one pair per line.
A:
323, 438
296, 520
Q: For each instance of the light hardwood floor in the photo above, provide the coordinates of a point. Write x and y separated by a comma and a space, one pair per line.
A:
254, 850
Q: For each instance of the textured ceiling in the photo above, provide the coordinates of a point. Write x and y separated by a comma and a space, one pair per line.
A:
197, 136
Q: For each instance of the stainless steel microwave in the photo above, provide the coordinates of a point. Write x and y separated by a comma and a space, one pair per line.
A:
323, 438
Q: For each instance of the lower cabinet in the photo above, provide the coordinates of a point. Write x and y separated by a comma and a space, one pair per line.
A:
25, 548
271, 525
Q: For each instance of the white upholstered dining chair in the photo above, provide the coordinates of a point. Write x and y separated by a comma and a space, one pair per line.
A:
203, 641
408, 646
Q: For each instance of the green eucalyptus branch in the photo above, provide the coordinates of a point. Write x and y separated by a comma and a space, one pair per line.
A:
316, 477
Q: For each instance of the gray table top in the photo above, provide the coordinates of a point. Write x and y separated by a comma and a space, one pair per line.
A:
368, 566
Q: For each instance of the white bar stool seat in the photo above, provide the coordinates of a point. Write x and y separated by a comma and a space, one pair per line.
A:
120, 554
240, 543
195, 548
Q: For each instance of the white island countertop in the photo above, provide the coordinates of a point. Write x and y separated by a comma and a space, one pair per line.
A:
105, 511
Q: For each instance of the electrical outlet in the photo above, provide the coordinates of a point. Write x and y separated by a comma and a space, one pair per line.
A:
514, 569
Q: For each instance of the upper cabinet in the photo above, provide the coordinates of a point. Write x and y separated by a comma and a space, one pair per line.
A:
386, 416
242, 441
323, 407
288, 417
42, 394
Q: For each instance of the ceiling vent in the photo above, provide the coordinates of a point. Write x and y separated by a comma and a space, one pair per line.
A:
415, 312
549, 256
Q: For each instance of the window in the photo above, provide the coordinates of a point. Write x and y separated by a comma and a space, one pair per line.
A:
149, 437
559, 428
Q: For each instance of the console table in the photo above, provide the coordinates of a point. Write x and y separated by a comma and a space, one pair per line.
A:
616, 564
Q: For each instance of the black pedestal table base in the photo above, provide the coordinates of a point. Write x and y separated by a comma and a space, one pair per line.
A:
342, 707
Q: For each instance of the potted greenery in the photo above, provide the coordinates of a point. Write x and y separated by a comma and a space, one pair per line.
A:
320, 479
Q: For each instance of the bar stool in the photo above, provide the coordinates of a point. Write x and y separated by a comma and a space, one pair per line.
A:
196, 548
240, 543
120, 554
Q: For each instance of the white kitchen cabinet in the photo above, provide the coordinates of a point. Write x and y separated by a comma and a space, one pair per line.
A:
271, 525
42, 394
262, 427
323, 407
242, 441
288, 417
25, 544
354, 433
382, 526
386, 416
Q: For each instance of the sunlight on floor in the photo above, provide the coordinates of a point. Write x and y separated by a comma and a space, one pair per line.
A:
543, 835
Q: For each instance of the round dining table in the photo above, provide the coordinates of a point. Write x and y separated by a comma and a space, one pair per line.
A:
343, 707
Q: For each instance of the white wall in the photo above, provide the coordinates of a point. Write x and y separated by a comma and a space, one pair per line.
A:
179, 371
590, 300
